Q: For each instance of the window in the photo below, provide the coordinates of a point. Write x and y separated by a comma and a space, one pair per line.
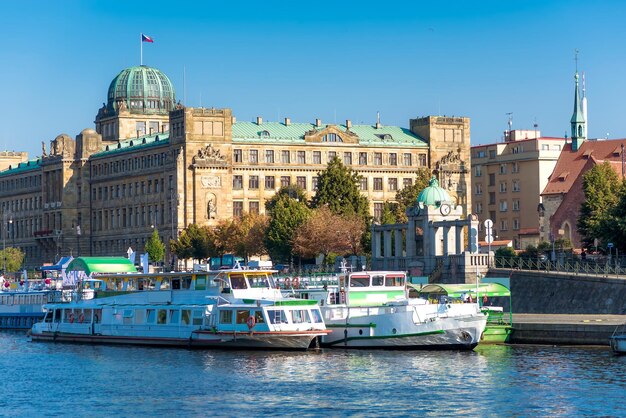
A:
504, 225
363, 182
362, 158
516, 187
347, 158
237, 209
314, 181
502, 168
515, 224
407, 183
237, 182
393, 158
301, 182
378, 183
301, 157
285, 181
545, 147
317, 157
492, 179
515, 204
503, 206
478, 171
254, 156
503, 187
237, 156
392, 184
556, 147
378, 211
492, 198
226, 316
515, 167
422, 160
253, 182
517, 149
331, 155
254, 207
408, 160
479, 207
479, 189
378, 158
284, 156
269, 156
481, 154
331, 138
269, 182
492, 153
276, 316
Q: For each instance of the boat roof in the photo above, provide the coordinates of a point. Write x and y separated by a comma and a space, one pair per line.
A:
101, 265
60, 265
456, 290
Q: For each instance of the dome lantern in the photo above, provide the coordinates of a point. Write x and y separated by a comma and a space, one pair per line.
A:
433, 195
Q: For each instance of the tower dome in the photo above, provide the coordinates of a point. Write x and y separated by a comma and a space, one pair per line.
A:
141, 89
433, 195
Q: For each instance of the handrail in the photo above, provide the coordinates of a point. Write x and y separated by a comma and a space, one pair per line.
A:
574, 266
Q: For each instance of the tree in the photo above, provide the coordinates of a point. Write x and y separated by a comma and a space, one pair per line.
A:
407, 196
602, 187
194, 242
155, 247
286, 214
12, 258
389, 215
243, 236
338, 187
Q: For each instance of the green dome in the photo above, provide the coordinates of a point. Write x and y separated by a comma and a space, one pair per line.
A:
143, 90
433, 195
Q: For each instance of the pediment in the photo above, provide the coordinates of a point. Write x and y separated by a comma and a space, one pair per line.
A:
331, 134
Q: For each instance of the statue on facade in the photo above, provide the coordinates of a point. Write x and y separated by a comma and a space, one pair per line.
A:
43, 149
211, 207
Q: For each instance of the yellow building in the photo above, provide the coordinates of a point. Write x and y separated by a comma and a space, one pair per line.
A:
152, 163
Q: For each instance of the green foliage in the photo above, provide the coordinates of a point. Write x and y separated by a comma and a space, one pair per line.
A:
407, 196
338, 187
12, 257
530, 252
286, 214
388, 216
598, 211
505, 252
155, 247
194, 242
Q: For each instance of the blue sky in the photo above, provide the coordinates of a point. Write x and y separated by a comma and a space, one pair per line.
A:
326, 59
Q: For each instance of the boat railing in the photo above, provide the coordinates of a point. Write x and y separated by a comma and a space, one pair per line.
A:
315, 281
219, 300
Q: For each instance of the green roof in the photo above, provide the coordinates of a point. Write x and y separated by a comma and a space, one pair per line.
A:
456, 290
134, 144
278, 132
101, 265
433, 195
22, 167
144, 89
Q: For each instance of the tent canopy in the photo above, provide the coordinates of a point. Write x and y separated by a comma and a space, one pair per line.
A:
456, 290
60, 265
102, 265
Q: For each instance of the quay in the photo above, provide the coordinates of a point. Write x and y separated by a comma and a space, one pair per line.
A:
564, 329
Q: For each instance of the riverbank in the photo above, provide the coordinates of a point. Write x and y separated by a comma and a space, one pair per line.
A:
564, 329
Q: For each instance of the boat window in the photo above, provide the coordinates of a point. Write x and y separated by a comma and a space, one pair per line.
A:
277, 316
66, 315
258, 316
165, 284
175, 284
258, 280
57, 315
140, 284
162, 316
174, 316
118, 284
197, 317
97, 316
300, 316
128, 316
317, 316
237, 281
186, 282
242, 316
394, 281
49, 316
140, 316
151, 316
130, 285
378, 280
226, 316
186, 317
87, 313
200, 283
359, 281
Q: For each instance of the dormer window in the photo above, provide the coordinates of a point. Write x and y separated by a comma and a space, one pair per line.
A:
330, 137
386, 137
264, 134
563, 175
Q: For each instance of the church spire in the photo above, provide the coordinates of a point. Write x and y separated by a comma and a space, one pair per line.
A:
579, 133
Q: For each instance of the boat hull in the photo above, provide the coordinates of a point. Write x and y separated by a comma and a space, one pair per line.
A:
496, 334
618, 344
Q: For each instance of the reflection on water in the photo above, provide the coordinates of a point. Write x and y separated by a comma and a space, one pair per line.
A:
63, 379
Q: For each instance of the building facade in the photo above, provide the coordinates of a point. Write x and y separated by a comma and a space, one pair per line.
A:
152, 163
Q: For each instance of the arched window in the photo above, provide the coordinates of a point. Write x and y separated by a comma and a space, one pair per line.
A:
580, 131
264, 134
330, 137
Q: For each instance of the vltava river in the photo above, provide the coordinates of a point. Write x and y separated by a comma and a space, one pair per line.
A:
42, 379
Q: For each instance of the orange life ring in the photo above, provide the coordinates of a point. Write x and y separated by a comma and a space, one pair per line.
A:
251, 321
81, 318
296, 282
71, 317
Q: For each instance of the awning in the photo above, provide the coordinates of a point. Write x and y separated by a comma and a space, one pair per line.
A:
456, 290
90, 265
60, 265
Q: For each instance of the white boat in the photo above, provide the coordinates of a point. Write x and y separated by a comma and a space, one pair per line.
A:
226, 309
617, 341
371, 309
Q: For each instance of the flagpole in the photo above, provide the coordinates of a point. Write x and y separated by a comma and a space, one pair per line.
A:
141, 49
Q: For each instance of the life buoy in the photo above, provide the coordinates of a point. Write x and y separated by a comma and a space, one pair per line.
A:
251, 321
287, 282
81, 318
296, 282
71, 317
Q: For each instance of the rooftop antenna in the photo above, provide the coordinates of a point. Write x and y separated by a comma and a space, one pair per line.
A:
184, 86
510, 123
535, 125
378, 117
576, 59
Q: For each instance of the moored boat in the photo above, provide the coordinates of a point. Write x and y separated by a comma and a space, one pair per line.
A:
371, 309
225, 309
617, 341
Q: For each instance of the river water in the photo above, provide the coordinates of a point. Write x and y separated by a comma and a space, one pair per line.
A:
44, 379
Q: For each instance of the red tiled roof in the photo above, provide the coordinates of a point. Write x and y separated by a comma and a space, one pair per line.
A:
529, 231
573, 163
502, 242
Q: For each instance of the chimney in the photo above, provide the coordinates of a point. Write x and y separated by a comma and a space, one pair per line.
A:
377, 125
318, 123
348, 123
259, 120
233, 120
287, 121
377, 120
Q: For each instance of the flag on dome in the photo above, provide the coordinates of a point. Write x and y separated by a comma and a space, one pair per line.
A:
145, 38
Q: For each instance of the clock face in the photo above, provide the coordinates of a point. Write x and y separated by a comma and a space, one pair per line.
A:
445, 209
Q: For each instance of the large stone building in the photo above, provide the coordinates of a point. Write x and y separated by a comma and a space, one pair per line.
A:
153, 163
